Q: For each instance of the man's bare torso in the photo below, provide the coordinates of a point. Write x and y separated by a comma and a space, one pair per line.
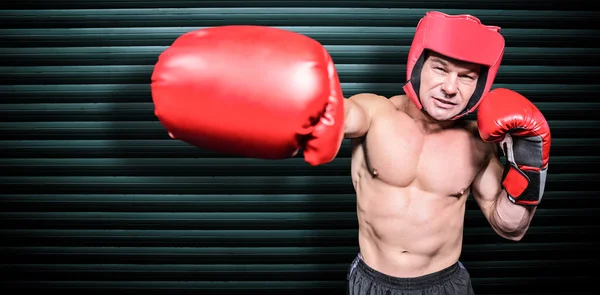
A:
411, 192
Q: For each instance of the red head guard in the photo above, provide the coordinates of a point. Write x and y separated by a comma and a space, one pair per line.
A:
462, 37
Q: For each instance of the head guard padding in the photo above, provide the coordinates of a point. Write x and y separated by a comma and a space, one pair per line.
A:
461, 37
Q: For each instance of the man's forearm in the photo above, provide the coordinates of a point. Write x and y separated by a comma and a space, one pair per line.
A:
511, 221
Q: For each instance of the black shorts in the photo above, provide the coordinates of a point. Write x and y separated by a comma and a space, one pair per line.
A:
363, 280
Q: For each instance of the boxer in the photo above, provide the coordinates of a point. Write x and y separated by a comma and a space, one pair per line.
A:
267, 93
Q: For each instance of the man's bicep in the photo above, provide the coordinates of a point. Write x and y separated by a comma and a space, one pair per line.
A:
487, 184
358, 111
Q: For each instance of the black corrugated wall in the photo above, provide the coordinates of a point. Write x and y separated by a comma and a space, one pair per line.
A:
96, 196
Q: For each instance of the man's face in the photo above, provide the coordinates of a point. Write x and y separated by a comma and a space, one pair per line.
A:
447, 85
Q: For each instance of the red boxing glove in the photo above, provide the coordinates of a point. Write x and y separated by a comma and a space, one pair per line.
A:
508, 118
250, 91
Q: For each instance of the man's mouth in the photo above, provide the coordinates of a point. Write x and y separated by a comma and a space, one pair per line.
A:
444, 103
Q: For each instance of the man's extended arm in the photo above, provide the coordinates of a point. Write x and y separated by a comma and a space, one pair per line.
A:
358, 111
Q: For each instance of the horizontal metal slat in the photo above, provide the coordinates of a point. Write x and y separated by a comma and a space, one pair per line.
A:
153, 130
251, 272
269, 267
164, 36
170, 149
348, 73
120, 202
341, 54
167, 221
547, 285
463, 4
189, 203
178, 238
191, 255
253, 238
41, 112
123, 93
277, 16
130, 93
504, 250
184, 167
221, 166
228, 185
181, 287
578, 217
196, 185
211, 272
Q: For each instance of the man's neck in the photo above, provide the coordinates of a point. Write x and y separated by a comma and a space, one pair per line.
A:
426, 123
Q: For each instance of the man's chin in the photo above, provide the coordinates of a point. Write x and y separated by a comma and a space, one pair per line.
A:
443, 116
443, 119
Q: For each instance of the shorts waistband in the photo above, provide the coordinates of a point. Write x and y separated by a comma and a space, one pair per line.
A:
420, 282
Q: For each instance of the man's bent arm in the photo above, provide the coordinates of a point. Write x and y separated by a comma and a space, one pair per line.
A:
509, 220
358, 111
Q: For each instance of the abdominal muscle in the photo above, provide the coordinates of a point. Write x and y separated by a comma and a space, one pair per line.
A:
405, 231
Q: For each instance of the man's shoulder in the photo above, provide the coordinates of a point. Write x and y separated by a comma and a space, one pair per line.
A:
400, 102
368, 97
470, 126
375, 103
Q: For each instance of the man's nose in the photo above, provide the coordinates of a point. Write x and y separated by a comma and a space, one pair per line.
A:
450, 84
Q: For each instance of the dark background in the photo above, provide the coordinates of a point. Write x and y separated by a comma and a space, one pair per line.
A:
96, 198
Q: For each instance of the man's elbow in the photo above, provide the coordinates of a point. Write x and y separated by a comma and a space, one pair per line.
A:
512, 232
509, 220
354, 131
513, 237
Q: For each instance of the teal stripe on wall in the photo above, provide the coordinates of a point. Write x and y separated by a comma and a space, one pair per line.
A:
97, 198
559, 5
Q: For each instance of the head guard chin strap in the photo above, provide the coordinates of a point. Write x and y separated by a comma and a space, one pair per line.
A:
461, 37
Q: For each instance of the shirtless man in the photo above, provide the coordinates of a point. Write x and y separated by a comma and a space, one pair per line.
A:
415, 159
412, 182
